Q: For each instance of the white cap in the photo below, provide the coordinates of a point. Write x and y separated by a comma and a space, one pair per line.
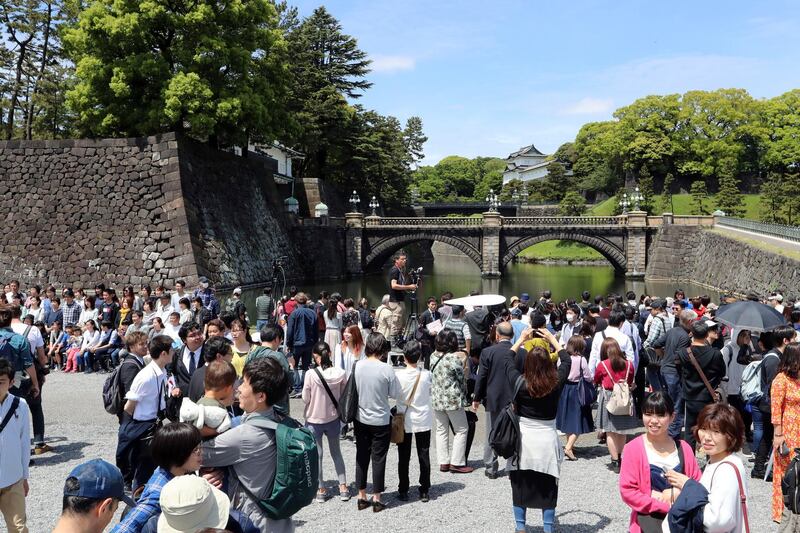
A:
237, 290
190, 503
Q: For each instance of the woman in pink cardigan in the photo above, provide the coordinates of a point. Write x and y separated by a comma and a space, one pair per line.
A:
645, 459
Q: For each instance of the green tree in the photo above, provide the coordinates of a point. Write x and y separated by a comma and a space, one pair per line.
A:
771, 198
573, 204
414, 139
556, 182
790, 192
508, 190
647, 130
646, 190
782, 122
598, 162
459, 174
666, 195
729, 198
566, 154
699, 196
215, 71
429, 184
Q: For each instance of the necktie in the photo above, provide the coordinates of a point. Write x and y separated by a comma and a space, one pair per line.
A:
192, 363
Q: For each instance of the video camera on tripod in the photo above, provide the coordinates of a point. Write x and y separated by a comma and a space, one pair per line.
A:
279, 275
415, 275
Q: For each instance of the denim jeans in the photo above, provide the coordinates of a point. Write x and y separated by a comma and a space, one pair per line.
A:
758, 428
654, 377
673, 385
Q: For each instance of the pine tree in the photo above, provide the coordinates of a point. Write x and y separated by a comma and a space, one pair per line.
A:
699, 195
572, 205
729, 198
646, 190
666, 195
771, 196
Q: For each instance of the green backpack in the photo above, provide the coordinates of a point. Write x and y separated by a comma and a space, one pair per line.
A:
296, 471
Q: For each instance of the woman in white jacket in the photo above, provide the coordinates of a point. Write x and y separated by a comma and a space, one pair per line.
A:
720, 432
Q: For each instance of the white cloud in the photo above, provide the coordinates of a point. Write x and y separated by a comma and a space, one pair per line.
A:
589, 106
391, 64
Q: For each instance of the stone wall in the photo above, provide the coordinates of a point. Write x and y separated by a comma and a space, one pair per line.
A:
680, 253
85, 211
147, 210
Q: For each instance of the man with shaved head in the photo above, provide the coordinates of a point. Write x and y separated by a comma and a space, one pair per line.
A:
491, 387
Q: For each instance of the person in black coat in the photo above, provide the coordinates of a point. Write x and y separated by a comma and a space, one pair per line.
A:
213, 349
491, 387
184, 364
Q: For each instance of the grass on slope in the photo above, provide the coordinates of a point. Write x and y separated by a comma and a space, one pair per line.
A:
561, 251
682, 203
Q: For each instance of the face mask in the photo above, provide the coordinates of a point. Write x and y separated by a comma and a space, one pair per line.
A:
204, 285
570, 317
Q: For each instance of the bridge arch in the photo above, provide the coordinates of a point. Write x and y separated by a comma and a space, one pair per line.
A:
610, 251
384, 248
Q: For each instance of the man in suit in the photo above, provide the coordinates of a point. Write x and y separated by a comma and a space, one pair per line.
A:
188, 359
492, 389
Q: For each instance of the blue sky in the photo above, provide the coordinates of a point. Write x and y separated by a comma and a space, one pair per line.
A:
489, 77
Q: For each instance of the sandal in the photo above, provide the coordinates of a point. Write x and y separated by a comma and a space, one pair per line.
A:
570, 454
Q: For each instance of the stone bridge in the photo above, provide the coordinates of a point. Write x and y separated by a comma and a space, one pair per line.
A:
492, 241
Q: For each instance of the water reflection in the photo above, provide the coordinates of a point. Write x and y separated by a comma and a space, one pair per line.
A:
459, 275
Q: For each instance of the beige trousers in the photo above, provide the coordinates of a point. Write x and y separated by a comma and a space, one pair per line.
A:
398, 310
12, 505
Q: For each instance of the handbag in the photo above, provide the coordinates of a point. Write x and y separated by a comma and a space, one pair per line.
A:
718, 395
504, 436
587, 394
399, 419
348, 401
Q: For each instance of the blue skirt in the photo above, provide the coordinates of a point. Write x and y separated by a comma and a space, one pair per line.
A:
572, 418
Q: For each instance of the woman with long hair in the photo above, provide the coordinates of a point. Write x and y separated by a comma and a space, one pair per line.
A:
643, 483
321, 415
333, 323
613, 368
575, 419
242, 344
720, 432
91, 338
376, 382
448, 399
88, 312
535, 472
349, 350
785, 403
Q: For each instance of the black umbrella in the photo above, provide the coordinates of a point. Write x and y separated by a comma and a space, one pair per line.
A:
750, 315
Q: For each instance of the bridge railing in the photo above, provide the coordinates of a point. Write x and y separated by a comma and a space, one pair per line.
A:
372, 222
782, 231
563, 221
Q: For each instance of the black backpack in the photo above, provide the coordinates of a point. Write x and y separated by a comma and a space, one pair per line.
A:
505, 437
789, 484
113, 400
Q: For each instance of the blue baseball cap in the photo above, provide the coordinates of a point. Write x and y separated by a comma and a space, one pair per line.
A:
524, 297
98, 480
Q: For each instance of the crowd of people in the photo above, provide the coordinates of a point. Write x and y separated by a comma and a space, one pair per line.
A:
197, 390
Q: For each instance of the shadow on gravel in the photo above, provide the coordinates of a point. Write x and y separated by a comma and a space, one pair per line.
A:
601, 523
437, 491
61, 453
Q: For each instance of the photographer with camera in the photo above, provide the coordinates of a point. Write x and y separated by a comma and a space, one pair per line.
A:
397, 296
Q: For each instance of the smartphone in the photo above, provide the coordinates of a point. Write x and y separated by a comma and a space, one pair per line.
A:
784, 450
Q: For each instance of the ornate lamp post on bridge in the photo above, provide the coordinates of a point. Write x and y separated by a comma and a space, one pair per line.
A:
493, 201
414, 196
624, 203
636, 198
354, 201
374, 205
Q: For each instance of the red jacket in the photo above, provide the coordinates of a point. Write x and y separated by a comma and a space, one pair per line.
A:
634, 479
601, 376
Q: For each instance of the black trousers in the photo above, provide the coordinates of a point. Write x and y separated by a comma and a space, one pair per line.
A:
372, 443
765, 448
735, 401
423, 440
693, 409
638, 393
133, 459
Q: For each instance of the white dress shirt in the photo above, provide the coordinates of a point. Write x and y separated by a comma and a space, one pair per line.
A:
623, 340
147, 390
196, 354
15, 443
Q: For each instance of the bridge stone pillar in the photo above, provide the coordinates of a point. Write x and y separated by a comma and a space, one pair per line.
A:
636, 244
490, 249
354, 243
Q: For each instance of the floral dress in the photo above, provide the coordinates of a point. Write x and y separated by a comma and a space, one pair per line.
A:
448, 390
785, 404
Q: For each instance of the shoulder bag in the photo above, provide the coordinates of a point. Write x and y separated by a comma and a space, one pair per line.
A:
587, 394
327, 388
742, 495
348, 401
399, 419
718, 395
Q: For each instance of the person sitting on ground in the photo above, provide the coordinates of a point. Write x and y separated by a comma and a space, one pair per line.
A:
176, 452
210, 413
92, 493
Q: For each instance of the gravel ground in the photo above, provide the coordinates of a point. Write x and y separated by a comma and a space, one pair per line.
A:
79, 429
